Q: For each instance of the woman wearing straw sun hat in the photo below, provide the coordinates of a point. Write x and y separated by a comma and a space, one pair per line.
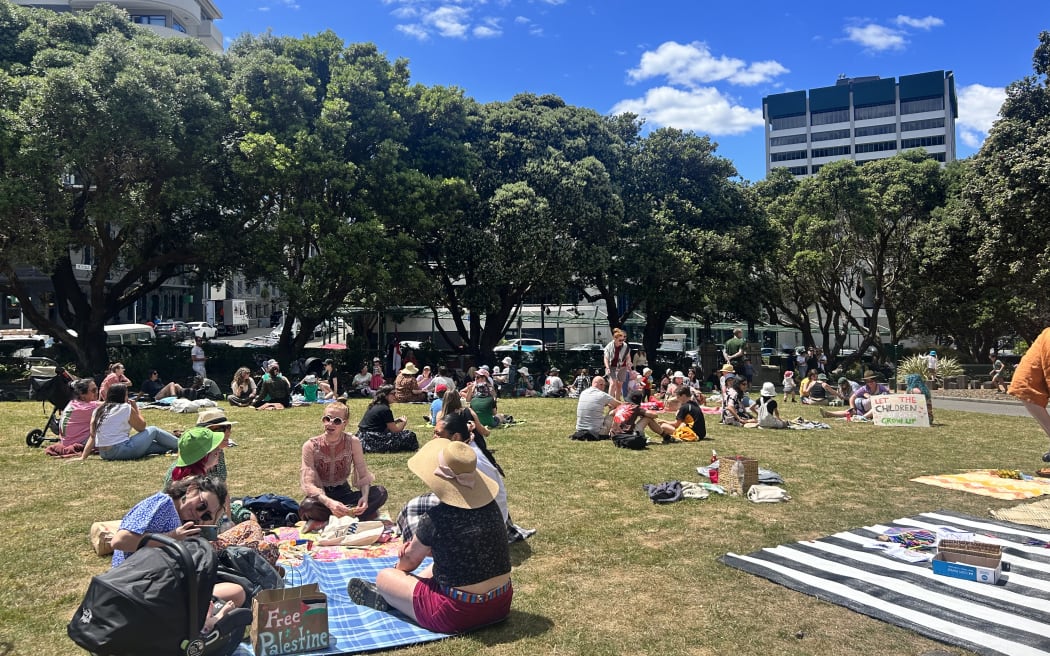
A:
468, 585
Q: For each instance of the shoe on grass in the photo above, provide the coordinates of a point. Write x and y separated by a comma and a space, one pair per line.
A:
364, 593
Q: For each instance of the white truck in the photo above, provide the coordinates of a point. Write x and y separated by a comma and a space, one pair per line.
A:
229, 315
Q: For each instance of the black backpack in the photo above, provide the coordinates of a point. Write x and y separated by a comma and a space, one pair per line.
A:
273, 510
155, 602
247, 567
630, 440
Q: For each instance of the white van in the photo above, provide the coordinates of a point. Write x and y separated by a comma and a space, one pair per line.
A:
127, 333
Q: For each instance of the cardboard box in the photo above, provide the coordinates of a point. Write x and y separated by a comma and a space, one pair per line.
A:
289, 620
971, 567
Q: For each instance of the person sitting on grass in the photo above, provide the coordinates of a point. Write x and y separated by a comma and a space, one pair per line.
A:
154, 389
111, 430
631, 417
361, 385
436, 405
689, 414
553, 385
580, 383
114, 375
733, 412
242, 388
481, 395
468, 585
818, 392
592, 422
768, 412
859, 405
177, 512
405, 388
333, 465
330, 384
275, 392
379, 431
75, 424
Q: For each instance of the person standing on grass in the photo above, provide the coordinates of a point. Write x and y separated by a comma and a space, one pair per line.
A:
734, 351
617, 357
1031, 382
998, 372
197, 358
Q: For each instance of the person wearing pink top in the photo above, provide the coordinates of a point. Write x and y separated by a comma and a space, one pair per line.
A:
75, 424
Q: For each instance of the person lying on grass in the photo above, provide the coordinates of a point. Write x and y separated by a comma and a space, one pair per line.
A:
468, 585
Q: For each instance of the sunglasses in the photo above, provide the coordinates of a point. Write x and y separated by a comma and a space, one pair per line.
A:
205, 511
338, 421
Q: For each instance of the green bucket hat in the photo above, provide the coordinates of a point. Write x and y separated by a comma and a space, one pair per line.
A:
195, 445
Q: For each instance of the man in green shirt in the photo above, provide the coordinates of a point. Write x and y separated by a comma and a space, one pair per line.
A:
734, 350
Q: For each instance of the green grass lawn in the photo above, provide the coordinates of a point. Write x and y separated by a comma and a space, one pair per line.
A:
607, 572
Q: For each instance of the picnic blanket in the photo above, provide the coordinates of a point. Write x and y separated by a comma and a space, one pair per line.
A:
987, 484
1036, 513
1011, 618
354, 629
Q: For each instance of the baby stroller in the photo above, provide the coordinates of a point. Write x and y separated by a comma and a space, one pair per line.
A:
49, 383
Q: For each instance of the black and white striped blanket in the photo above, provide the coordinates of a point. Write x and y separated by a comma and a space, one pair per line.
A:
1011, 618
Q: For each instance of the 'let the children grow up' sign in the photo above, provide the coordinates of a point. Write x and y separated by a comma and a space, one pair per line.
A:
900, 410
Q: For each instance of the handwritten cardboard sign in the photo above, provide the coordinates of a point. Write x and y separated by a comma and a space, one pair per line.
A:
289, 621
908, 410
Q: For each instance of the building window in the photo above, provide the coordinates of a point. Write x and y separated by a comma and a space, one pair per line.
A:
177, 26
922, 142
798, 170
936, 156
788, 140
150, 19
787, 122
830, 134
872, 130
783, 157
875, 111
835, 151
833, 116
928, 124
817, 167
877, 147
924, 105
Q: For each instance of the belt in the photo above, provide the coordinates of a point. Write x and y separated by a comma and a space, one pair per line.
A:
471, 597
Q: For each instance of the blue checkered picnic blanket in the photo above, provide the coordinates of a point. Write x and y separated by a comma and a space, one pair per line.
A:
354, 629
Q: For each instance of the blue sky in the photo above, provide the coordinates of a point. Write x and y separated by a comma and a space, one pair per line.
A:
692, 64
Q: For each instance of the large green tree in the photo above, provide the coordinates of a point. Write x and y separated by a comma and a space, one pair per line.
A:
111, 144
319, 137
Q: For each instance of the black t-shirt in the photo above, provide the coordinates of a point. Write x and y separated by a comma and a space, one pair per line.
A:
817, 391
771, 406
151, 387
690, 409
468, 546
376, 418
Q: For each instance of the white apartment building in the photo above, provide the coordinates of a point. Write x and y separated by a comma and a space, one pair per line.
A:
173, 18
861, 119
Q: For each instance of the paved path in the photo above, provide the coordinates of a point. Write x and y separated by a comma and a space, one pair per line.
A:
1010, 408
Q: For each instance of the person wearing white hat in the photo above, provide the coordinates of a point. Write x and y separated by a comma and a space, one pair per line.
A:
524, 386
768, 414
468, 585
671, 396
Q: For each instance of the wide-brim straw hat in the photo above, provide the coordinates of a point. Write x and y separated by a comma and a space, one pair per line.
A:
726, 368
410, 369
213, 418
870, 375
450, 470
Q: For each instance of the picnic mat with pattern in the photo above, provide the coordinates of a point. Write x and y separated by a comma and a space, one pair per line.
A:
354, 629
1010, 618
1036, 513
987, 484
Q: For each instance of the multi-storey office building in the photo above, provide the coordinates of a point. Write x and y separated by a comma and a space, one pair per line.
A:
861, 119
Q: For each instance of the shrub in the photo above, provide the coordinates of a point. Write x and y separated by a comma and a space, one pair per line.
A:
916, 364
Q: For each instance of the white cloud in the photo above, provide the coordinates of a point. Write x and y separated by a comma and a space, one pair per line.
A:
521, 20
978, 109
490, 29
449, 20
691, 64
703, 109
413, 30
876, 37
919, 23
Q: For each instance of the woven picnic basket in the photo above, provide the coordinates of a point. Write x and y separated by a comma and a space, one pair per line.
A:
734, 484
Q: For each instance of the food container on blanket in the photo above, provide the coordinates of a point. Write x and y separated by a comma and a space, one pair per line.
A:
969, 560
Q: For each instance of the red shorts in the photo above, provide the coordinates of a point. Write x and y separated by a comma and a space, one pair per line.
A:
437, 612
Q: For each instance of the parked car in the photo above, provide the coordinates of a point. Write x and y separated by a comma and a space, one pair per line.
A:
203, 329
176, 330
587, 347
524, 344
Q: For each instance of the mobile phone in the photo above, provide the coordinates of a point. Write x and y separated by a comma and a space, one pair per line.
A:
208, 531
